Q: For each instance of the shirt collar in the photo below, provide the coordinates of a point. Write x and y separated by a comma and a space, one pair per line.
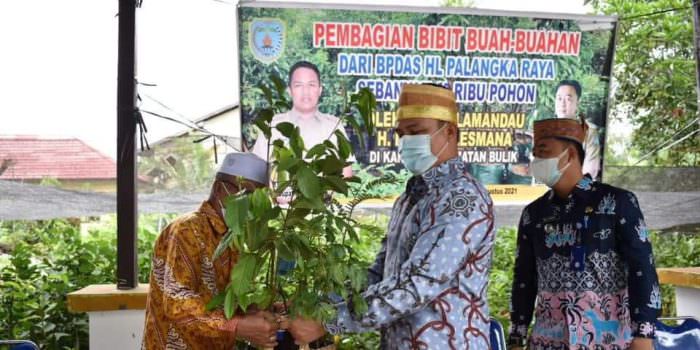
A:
435, 175
582, 190
216, 222
297, 116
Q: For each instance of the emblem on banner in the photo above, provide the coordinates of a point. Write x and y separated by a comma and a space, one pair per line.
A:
266, 41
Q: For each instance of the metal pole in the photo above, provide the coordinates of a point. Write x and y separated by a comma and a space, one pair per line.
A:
127, 273
696, 42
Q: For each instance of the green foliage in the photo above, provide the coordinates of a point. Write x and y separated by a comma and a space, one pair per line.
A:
49, 259
50, 181
46, 261
674, 249
380, 181
369, 340
502, 274
314, 232
372, 231
457, 3
655, 73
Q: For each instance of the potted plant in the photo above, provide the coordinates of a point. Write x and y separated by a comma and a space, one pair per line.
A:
313, 233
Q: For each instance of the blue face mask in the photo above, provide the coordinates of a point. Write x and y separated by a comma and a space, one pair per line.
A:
416, 153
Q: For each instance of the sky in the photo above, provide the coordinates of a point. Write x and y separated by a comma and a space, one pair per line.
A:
58, 67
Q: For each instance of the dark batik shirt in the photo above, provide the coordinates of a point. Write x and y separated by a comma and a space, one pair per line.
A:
613, 298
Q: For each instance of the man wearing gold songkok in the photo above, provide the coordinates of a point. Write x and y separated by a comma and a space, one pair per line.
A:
427, 287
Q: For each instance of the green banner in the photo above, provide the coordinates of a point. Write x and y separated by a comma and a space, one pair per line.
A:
506, 69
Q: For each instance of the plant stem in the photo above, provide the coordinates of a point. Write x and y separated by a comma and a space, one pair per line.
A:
272, 285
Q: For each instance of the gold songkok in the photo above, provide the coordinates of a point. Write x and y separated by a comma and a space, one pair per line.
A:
427, 101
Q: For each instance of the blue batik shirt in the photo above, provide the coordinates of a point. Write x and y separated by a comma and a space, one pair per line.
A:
602, 303
429, 282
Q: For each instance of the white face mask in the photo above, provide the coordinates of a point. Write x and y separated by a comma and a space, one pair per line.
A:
221, 204
416, 153
223, 209
546, 170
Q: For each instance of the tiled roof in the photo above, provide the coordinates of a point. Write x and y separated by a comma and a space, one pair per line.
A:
35, 157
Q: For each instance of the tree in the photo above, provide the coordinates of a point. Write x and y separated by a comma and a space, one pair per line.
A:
655, 78
457, 3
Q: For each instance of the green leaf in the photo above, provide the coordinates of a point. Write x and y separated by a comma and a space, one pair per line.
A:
331, 165
284, 251
283, 105
300, 244
310, 203
243, 273
59, 335
244, 301
263, 120
268, 94
309, 184
278, 144
348, 228
296, 143
224, 244
337, 274
236, 212
327, 312
344, 146
260, 201
297, 216
286, 129
358, 278
358, 130
299, 213
366, 104
330, 145
263, 298
287, 161
257, 235
216, 301
317, 150
280, 86
272, 214
359, 304
353, 179
338, 251
337, 183
299, 223
230, 304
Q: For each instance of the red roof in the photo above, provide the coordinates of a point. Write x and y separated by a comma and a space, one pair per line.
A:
34, 157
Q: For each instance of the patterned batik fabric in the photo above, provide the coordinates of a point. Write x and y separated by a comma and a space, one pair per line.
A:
613, 299
429, 281
184, 278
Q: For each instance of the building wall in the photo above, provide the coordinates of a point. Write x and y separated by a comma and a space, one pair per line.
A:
229, 124
105, 186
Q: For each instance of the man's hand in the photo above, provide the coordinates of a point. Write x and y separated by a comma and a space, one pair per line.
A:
258, 328
642, 344
281, 308
305, 331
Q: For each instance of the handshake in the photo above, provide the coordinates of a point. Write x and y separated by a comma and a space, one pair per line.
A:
259, 328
